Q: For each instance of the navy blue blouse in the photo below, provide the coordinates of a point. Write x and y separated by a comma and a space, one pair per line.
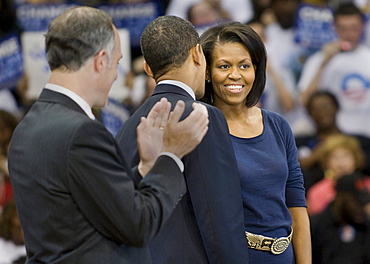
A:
271, 181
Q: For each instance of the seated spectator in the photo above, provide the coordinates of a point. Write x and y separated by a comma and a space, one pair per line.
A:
12, 249
341, 233
339, 155
323, 107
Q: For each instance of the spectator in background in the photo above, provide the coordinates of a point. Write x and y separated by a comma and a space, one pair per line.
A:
341, 233
238, 10
206, 13
12, 248
287, 57
262, 11
279, 93
341, 67
8, 18
280, 35
12, 92
323, 107
339, 155
8, 122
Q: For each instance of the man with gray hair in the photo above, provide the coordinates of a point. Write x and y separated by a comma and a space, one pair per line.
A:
72, 186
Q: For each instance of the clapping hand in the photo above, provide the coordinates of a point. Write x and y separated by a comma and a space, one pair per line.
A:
162, 131
181, 137
150, 135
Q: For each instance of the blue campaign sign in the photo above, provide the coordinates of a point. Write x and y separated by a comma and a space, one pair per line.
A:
36, 17
314, 26
133, 16
11, 60
113, 115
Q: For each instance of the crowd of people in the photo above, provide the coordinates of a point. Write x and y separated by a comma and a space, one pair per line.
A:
286, 153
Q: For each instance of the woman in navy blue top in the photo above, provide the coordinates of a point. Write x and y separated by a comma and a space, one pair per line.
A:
276, 220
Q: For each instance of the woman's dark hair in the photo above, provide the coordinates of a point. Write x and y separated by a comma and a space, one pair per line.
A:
235, 32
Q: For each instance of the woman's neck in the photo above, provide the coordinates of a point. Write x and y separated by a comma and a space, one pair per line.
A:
242, 121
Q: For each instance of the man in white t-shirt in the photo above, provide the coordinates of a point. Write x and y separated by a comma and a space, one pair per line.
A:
342, 67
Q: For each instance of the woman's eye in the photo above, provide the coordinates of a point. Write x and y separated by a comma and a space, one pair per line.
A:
224, 66
244, 66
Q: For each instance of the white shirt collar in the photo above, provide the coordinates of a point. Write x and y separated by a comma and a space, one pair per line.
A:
181, 85
81, 102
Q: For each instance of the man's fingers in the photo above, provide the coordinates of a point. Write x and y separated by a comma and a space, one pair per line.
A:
177, 112
142, 125
153, 113
199, 116
200, 107
158, 113
164, 119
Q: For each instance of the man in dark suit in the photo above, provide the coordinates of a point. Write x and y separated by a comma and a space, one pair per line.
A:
208, 224
76, 200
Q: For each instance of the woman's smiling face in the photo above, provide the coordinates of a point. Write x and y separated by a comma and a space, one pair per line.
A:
232, 73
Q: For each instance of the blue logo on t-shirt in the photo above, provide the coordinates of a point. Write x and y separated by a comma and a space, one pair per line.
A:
355, 86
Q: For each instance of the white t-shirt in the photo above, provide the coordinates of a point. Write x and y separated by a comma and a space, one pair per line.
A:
285, 56
10, 252
283, 49
347, 76
270, 99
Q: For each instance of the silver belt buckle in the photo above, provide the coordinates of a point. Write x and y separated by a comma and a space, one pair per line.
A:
274, 245
280, 245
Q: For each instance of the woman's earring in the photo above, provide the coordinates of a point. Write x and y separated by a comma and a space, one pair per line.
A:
208, 81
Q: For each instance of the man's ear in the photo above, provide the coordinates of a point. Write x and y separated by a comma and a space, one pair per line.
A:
147, 69
197, 54
100, 60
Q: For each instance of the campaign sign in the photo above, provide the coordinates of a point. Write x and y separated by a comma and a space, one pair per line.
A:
36, 17
35, 62
134, 16
11, 61
314, 26
37, 68
119, 90
113, 115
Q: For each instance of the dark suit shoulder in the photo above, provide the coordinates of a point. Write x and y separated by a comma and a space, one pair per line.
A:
212, 110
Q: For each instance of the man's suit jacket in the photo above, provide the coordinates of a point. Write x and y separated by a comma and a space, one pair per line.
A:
208, 224
73, 189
